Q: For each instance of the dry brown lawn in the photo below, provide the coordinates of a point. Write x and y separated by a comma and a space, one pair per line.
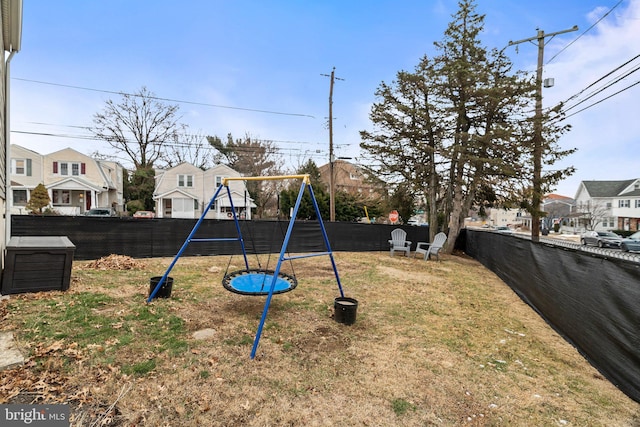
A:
434, 343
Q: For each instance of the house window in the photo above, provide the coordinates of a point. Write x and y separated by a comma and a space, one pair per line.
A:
69, 168
61, 197
638, 203
218, 181
354, 177
609, 205
21, 167
185, 180
624, 203
19, 197
183, 205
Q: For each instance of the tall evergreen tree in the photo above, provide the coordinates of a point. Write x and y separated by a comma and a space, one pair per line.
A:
409, 135
459, 126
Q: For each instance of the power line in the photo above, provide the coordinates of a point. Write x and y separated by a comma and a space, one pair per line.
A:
584, 32
167, 99
603, 99
178, 144
603, 77
282, 141
601, 89
619, 79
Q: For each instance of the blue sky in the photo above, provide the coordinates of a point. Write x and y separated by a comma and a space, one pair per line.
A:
259, 65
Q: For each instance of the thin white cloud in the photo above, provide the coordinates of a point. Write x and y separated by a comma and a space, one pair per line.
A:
605, 134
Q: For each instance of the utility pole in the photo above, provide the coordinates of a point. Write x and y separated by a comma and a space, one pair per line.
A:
332, 203
536, 198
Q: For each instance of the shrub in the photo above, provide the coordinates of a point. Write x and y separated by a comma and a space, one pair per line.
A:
135, 206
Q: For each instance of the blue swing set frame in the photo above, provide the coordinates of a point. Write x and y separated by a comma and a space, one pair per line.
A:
305, 184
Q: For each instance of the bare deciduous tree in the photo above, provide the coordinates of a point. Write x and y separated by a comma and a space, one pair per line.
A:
593, 213
189, 148
139, 125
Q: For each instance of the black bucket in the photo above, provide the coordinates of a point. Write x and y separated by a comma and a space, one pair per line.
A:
165, 289
345, 310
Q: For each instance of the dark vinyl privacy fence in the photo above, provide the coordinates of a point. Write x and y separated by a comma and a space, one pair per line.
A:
146, 238
592, 300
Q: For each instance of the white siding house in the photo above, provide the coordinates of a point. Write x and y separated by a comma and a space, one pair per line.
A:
184, 191
615, 204
75, 182
507, 217
26, 174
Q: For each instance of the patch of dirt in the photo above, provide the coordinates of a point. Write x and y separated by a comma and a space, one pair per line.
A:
403, 274
322, 340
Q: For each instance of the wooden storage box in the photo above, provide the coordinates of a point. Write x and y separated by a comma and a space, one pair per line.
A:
37, 263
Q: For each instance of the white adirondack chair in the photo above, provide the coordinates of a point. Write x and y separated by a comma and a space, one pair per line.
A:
428, 249
398, 242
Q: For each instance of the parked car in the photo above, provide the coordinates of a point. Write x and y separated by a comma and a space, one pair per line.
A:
631, 243
144, 214
98, 212
503, 229
601, 239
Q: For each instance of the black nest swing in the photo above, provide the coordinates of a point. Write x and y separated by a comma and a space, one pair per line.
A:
258, 282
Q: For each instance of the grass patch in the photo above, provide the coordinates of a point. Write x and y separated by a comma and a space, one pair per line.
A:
448, 334
140, 368
401, 406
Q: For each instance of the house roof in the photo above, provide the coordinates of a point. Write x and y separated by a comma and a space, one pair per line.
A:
222, 169
74, 183
20, 147
173, 191
609, 188
107, 179
554, 196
